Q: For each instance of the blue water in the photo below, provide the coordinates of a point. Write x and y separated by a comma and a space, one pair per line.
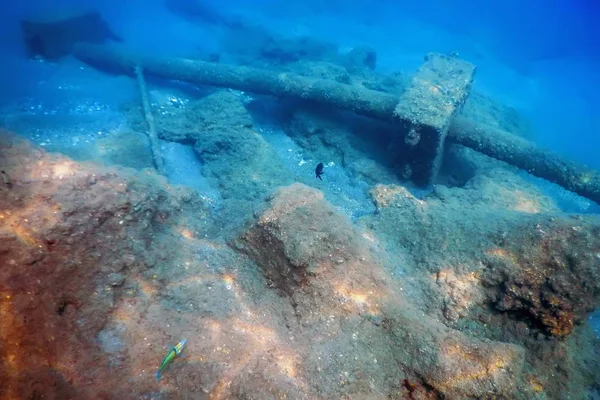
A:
538, 56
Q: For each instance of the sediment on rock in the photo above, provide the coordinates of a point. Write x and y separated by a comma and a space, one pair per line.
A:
547, 273
317, 259
72, 238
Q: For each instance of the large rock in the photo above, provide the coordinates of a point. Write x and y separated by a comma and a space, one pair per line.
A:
187, 122
547, 273
73, 239
496, 259
313, 256
235, 157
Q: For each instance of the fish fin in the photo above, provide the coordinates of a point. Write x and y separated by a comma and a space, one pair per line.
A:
158, 375
320, 177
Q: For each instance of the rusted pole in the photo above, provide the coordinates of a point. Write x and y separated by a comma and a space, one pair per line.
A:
154, 143
523, 154
487, 140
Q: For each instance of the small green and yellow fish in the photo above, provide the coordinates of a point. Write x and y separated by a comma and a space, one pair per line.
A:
175, 351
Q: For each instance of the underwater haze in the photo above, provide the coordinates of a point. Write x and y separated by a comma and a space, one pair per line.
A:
537, 56
305, 200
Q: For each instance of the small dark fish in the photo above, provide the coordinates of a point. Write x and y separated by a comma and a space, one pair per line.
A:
6, 179
319, 171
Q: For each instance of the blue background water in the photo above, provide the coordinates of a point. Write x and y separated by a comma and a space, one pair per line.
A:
538, 56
